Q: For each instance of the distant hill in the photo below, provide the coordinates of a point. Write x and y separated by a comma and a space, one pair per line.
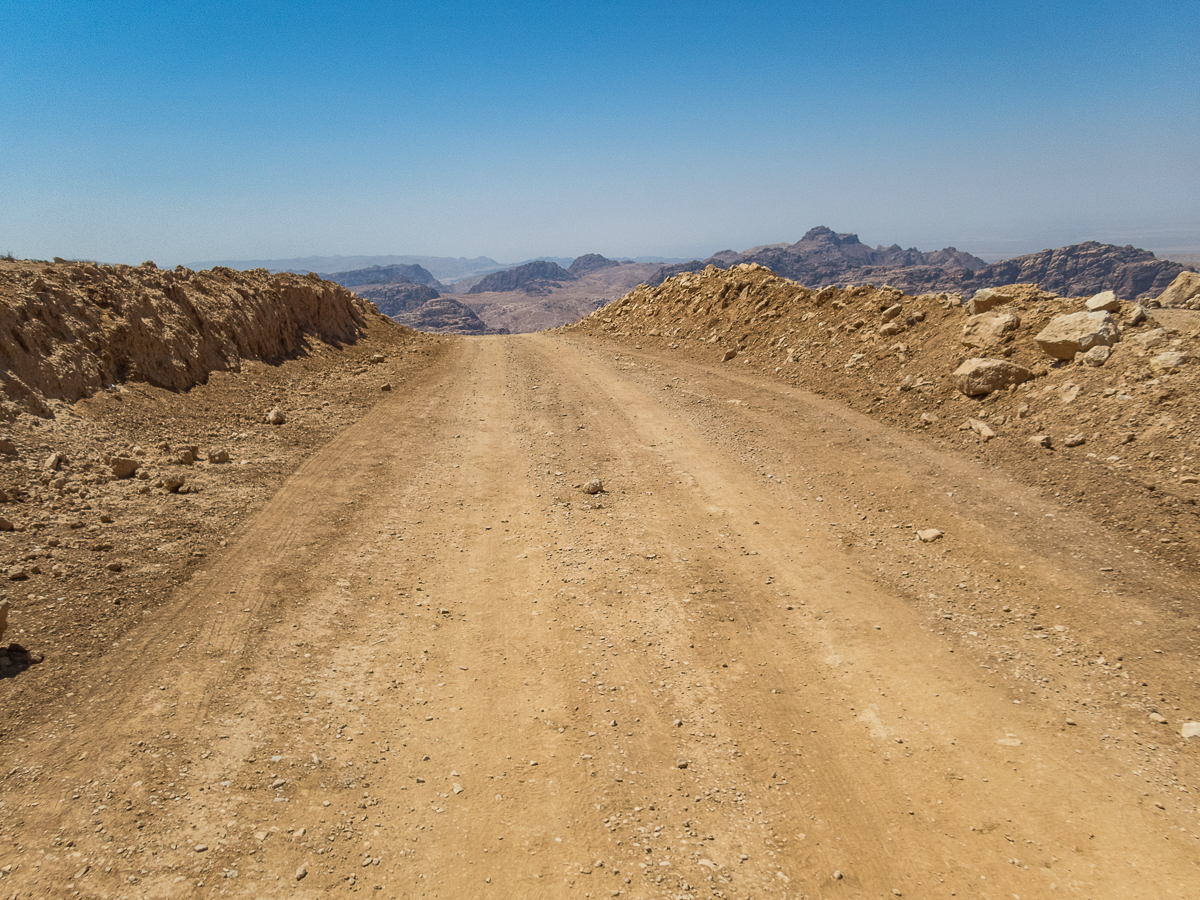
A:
590, 262
443, 268
398, 274
445, 315
823, 257
398, 298
533, 278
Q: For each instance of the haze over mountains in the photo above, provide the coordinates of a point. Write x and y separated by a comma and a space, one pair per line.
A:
482, 296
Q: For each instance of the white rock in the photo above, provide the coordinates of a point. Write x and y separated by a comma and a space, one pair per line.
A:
1183, 292
1097, 356
990, 330
1067, 335
1167, 361
929, 535
1105, 301
983, 376
1190, 730
276, 417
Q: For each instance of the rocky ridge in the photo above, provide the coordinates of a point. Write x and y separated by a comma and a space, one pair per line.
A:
71, 329
537, 278
396, 274
1092, 402
823, 257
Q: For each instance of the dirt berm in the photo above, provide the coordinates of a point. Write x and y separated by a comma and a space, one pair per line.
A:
1119, 437
69, 329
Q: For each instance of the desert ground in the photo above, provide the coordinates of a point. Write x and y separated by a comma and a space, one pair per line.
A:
400, 652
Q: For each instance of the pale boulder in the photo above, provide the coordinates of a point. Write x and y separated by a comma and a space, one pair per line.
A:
1167, 361
1183, 292
1105, 301
976, 377
1074, 333
989, 330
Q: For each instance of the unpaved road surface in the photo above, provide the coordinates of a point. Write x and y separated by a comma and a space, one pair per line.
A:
432, 666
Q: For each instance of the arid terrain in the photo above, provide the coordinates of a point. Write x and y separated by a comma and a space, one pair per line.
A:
728, 590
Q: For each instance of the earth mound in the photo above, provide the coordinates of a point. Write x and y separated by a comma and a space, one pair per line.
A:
71, 329
1093, 399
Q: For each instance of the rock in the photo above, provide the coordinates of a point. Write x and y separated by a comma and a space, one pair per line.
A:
1105, 301
1167, 361
595, 486
1138, 316
891, 312
7, 447
891, 329
55, 461
115, 566
729, 354
681, 763
218, 456
1156, 717
1097, 356
17, 573
123, 467
200, 848
981, 429
376, 359
186, 456
1189, 730
6, 525
1039, 440
1074, 440
1079, 332
173, 483
300, 873
1183, 292
385, 388
276, 417
4, 607
982, 376
929, 535
989, 330
1150, 339
986, 299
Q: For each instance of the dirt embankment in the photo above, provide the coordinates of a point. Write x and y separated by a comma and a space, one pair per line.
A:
1121, 438
69, 329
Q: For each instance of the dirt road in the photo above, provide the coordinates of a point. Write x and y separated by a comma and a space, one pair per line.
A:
432, 666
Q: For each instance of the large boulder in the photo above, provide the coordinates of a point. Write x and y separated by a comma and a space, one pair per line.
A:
1183, 292
1079, 332
982, 376
989, 330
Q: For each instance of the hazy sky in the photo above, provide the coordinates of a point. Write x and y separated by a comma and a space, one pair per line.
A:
182, 131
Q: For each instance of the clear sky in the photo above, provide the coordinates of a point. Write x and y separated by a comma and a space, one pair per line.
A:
181, 131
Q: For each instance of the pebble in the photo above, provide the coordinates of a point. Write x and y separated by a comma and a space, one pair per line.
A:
929, 535
681, 763
594, 486
1191, 730
200, 848
300, 873
1155, 717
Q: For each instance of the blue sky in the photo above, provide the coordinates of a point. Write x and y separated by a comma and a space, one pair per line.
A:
184, 131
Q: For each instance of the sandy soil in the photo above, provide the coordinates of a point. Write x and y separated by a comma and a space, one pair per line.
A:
429, 665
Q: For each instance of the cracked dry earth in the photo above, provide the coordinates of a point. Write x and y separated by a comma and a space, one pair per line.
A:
432, 666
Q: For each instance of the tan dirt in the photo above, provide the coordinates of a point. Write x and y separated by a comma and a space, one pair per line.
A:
430, 665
